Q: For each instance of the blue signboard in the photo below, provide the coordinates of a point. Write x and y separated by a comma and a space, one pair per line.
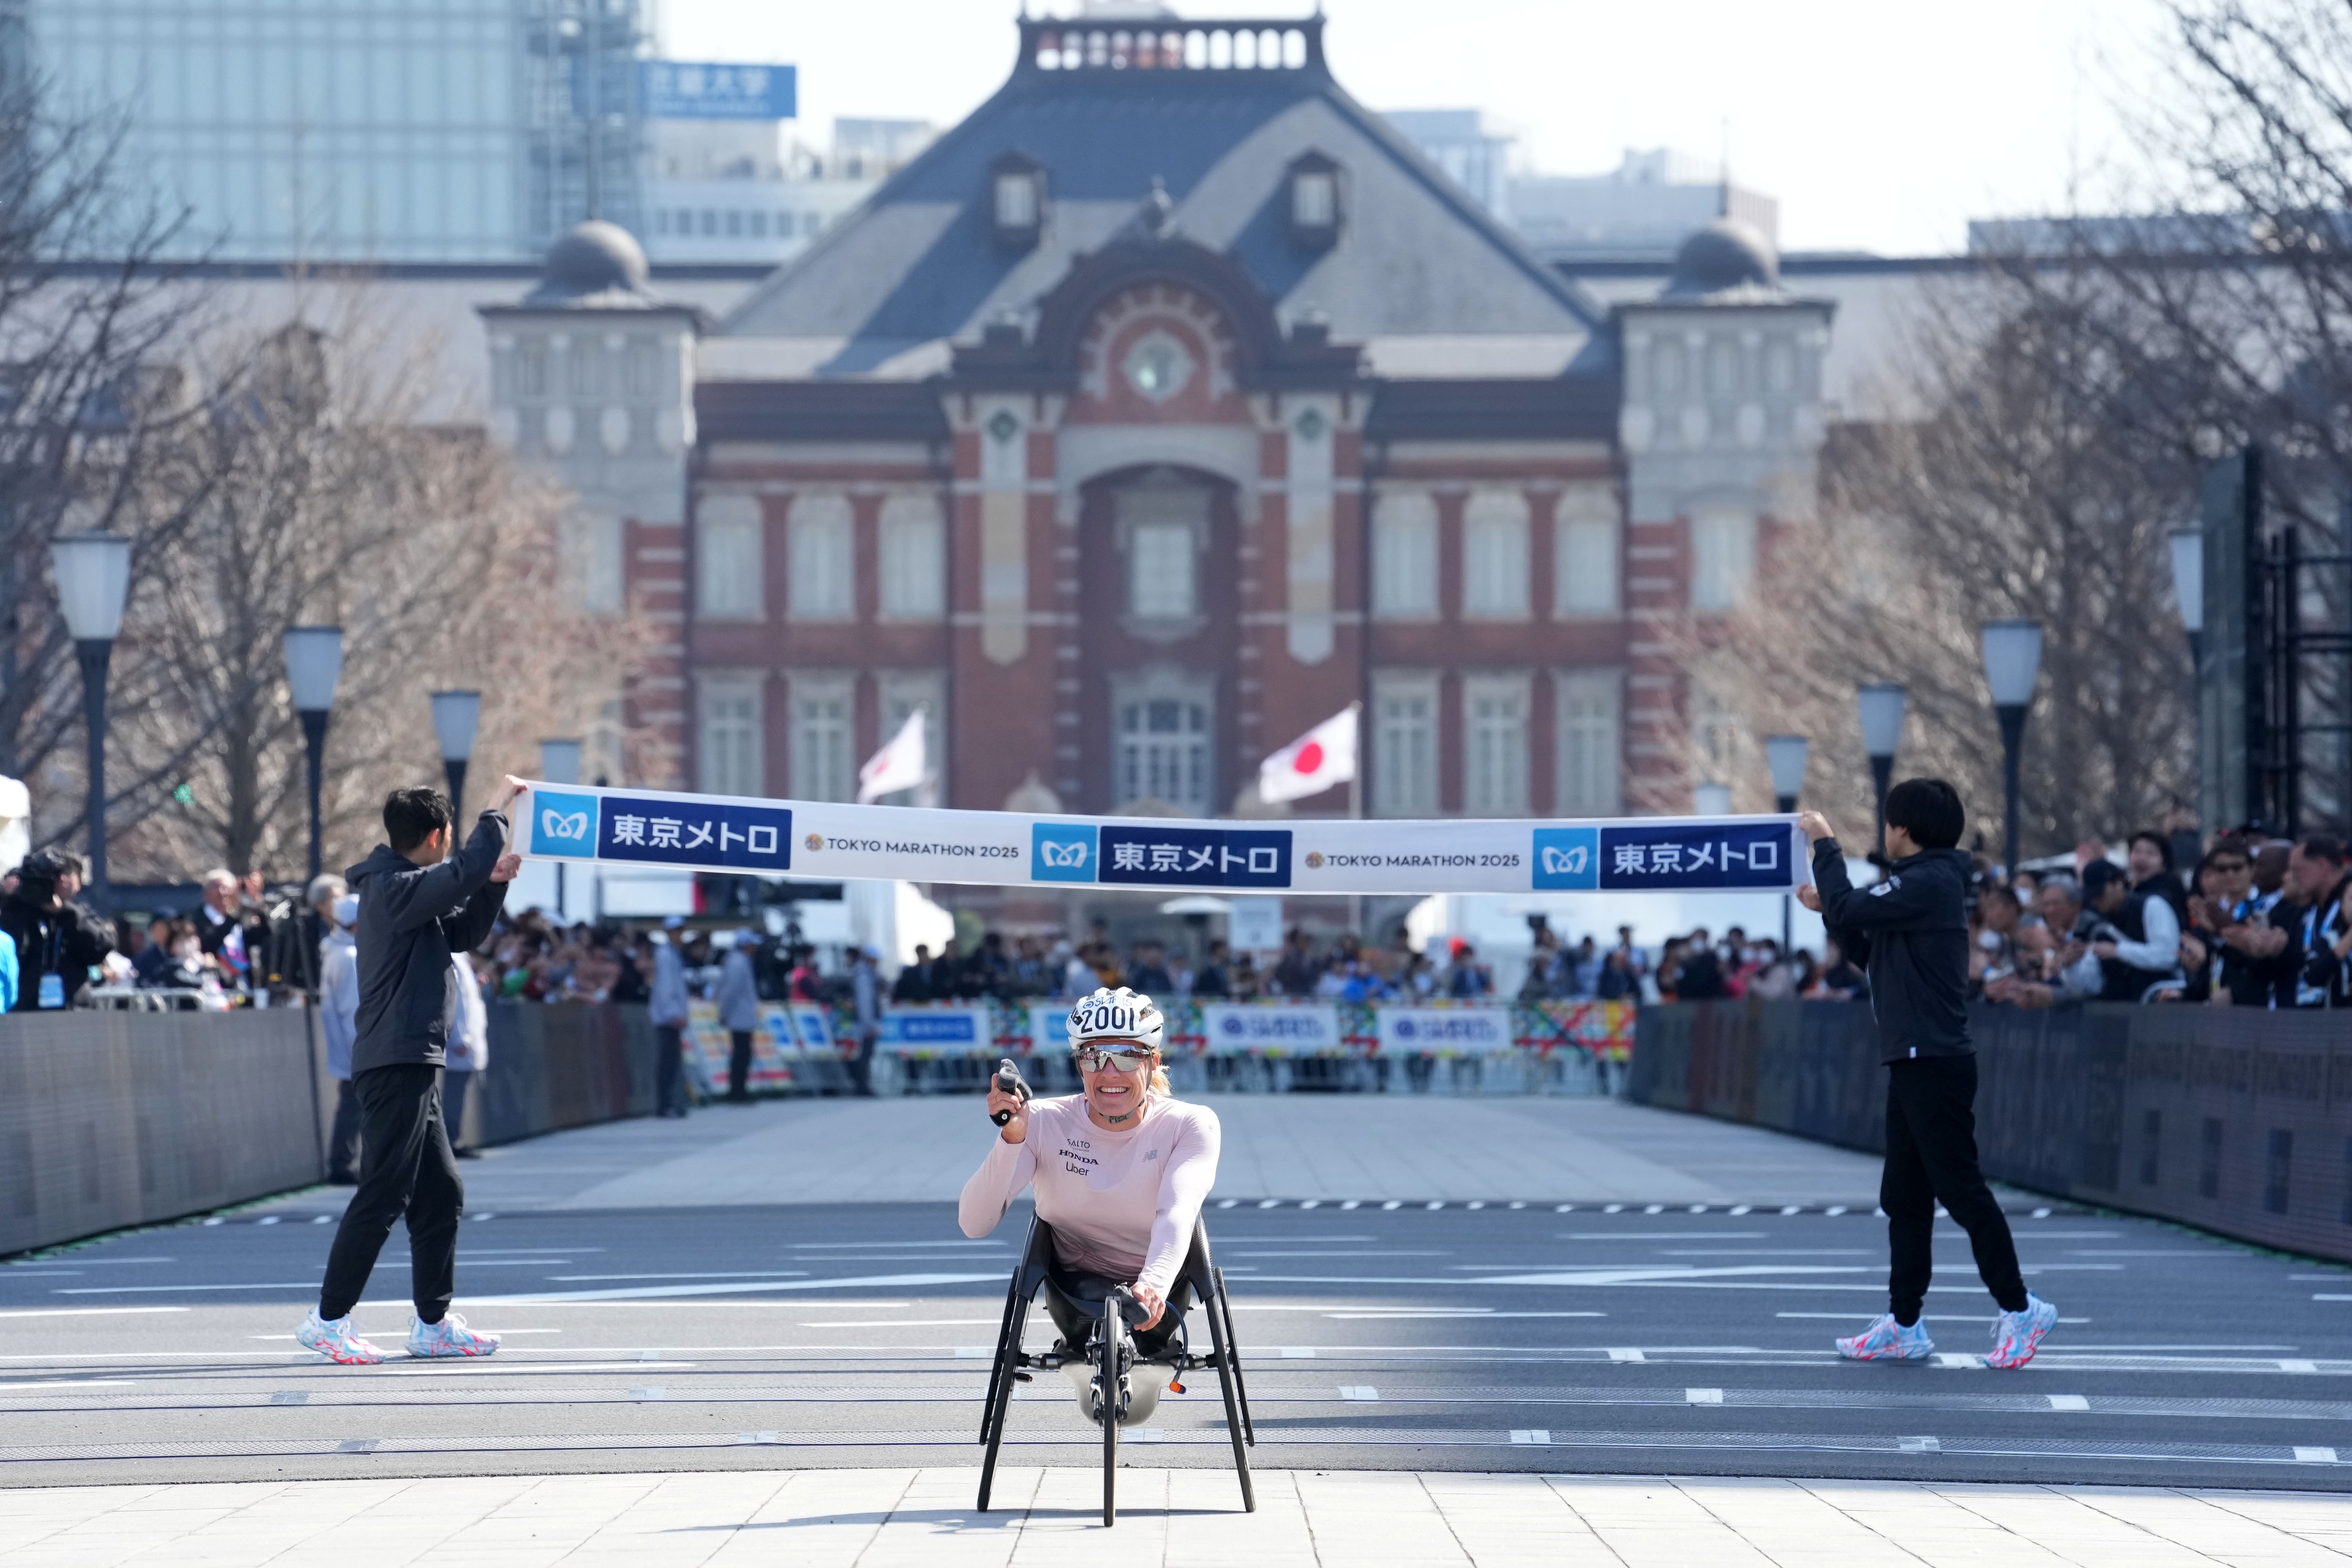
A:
1694, 855
1194, 857
1061, 852
1567, 859
562, 825
687, 90
669, 830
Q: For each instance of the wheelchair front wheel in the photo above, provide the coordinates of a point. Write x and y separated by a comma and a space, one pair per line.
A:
1112, 1340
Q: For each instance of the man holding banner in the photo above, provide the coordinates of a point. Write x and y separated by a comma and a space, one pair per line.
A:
1912, 930
423, 905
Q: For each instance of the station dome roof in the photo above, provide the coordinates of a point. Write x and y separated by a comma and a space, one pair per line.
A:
1727, 254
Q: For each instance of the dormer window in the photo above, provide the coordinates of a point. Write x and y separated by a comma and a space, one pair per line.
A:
1016, 200
1313, 201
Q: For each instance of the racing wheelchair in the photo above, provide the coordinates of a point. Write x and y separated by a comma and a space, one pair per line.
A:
1120, 1384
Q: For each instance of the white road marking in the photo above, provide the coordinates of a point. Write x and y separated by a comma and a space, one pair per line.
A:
1537, 1435
648, 1395
715, 1274
1481, 1313
1295, 1352
1959, 1317
1959, 1362
1702, 1395
1360, 1393
885, 1245
2298, 1366
150, 1289
72, 1383
1920, 1445
2069, 1402
658, 1292
904, 1323
1627, 1355
1662, 1235
479, 1366
2315, 1455
88, 1313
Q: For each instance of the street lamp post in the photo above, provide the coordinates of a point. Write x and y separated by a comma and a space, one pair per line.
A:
1784, 757
2012, 659
1882, 735
93, 573
559, 763
2188, 591
455, 717
314, 663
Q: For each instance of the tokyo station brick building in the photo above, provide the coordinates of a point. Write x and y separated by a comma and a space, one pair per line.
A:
1163, 408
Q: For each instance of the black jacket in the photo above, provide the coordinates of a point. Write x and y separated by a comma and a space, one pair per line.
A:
413, 919
64, 940
1911, 934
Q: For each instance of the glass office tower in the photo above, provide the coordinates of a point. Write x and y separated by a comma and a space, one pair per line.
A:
359, 131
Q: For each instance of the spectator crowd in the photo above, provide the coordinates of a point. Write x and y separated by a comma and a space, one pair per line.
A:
2254, 922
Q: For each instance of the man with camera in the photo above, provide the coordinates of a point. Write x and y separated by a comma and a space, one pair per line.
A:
58, 940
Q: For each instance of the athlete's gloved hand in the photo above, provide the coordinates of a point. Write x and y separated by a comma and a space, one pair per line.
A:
1016, 1120
1151, 1300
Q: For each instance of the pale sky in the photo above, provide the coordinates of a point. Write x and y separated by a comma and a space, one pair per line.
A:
1880, 125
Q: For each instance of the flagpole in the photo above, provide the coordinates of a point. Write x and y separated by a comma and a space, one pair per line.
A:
1356, 813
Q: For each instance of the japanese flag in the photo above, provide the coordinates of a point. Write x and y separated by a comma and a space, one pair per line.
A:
1321, 758
899, 765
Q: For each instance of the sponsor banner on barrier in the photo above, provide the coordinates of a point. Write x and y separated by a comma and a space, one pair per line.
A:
783, 1035
939, 1029
1243, 1028
1471, 1030
827, 839
1049, 1026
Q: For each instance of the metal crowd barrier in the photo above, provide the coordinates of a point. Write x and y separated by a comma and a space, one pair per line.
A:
2235, 1120
114, 1117
1273, 1048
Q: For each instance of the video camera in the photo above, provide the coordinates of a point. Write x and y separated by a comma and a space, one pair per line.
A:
38, 877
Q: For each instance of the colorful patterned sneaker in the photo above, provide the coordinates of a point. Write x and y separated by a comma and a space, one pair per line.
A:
1887, 1340
337, 1341
450, 1337
2017, 1335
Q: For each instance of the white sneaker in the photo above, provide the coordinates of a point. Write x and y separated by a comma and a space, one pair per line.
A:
337, 1340
1887, 1340
448, 1337
2017, 1335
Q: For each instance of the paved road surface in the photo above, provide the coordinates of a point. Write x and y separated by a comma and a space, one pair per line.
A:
1551, 1329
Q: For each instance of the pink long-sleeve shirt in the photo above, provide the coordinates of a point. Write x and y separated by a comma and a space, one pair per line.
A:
1121, 1203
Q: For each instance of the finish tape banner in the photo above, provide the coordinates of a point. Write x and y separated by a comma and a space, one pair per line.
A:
830, 841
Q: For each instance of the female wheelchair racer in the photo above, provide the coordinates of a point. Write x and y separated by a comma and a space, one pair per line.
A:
1119, 1172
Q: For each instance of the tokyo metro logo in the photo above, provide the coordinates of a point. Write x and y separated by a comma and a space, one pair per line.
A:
1061, 852
563, 824
1567, 858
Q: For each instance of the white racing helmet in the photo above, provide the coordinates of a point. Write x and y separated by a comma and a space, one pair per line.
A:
1120, 1015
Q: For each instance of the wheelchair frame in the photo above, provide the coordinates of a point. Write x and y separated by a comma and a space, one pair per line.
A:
1208, 1282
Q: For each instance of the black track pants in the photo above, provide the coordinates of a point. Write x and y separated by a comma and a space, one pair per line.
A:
669, 1068
738, 1064
405, 1169
1931, 1155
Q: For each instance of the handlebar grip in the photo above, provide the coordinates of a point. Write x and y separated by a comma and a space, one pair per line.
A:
1009, 1082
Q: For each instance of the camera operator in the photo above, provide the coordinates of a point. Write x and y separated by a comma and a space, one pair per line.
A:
57, 941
